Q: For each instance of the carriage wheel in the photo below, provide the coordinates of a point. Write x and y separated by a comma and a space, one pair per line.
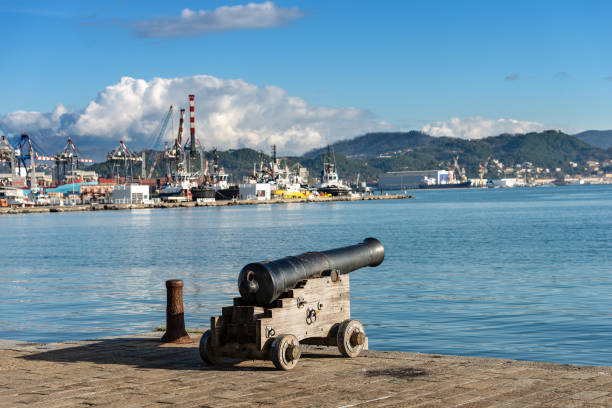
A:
351, 338
285, 351
207, 351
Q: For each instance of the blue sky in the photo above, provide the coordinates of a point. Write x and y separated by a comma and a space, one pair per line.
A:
407, 64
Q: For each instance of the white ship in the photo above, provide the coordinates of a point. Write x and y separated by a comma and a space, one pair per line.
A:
330, 183
15, 197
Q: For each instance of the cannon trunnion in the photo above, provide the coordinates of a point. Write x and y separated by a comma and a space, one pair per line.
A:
314, 311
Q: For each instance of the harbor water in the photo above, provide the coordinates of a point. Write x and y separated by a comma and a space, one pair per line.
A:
513, 273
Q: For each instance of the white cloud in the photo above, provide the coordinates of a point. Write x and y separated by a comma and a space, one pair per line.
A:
225, 18
229, 114
20, 121
478, 127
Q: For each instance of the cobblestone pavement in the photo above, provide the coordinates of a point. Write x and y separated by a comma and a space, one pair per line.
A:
142, 372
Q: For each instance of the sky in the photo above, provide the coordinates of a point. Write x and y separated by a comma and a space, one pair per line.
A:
301, 74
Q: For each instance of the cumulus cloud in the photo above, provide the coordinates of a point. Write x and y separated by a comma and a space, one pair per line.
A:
225, 18
229, 114
478, 127
34, 121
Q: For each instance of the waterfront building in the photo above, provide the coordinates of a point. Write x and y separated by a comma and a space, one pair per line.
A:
255, 191
130, 194
398, 180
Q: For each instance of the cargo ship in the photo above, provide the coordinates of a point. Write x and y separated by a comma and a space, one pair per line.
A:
446, 181
465, 184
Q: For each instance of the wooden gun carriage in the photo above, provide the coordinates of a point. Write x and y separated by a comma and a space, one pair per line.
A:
295, 300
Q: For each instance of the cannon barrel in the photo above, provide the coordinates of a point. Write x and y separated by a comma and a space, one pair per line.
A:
260, 283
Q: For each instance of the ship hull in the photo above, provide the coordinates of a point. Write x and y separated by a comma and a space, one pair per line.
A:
202, 192
334, 191
172, 191
466, 184
229, 193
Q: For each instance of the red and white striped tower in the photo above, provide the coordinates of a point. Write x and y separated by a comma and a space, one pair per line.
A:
192, 150
181, 127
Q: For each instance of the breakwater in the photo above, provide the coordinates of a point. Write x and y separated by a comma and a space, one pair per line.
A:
189, 204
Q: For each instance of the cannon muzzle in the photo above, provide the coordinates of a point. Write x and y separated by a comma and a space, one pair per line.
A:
260, 283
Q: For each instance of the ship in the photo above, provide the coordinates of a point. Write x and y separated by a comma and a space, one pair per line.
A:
465, 184
220, 181
203, 192
449, 182
175, 190
14, 197
330, 184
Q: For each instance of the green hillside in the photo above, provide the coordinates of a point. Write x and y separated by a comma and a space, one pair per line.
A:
376, 153
374, 144
597, 138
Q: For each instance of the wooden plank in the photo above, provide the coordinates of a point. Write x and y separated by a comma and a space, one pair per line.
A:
308, 312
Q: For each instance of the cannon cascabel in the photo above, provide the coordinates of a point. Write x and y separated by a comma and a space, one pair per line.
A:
260, 283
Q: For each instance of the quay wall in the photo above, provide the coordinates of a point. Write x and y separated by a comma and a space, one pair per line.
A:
140, 371
188, 204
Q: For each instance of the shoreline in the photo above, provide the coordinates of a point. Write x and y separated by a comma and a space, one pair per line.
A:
188, 204
141, 371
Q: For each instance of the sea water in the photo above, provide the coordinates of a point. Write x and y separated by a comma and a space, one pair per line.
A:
512, 273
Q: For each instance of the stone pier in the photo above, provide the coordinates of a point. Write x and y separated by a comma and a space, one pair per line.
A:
141, 371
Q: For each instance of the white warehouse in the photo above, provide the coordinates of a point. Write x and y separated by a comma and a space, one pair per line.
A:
130, 194
255, 191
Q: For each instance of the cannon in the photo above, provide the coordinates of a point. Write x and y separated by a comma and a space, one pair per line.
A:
302, 299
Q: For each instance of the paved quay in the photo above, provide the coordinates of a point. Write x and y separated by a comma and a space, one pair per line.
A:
190, 204
140, 371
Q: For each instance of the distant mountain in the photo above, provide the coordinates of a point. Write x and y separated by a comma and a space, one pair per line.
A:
418, 151
376, 153
597, 138
374, 144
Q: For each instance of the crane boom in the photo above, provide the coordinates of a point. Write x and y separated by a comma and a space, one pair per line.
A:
156, 144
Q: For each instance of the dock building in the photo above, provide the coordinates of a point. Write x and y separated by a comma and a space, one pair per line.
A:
399, 180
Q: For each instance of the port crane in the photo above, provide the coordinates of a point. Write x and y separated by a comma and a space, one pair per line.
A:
156, 149
175, 155
460, 171
7, 154
68, 159
27, 157
122, 159
482, 170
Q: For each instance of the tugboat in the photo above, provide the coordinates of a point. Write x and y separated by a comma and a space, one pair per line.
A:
220, 180
203, 192
330, 184
178, 188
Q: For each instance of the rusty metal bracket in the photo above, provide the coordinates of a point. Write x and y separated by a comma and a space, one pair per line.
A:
270, 332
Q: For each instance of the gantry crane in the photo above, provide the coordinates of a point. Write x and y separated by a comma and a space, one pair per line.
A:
68, 159
122, 158
7, 155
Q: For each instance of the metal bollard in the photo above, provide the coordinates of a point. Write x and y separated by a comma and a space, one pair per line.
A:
175, 314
